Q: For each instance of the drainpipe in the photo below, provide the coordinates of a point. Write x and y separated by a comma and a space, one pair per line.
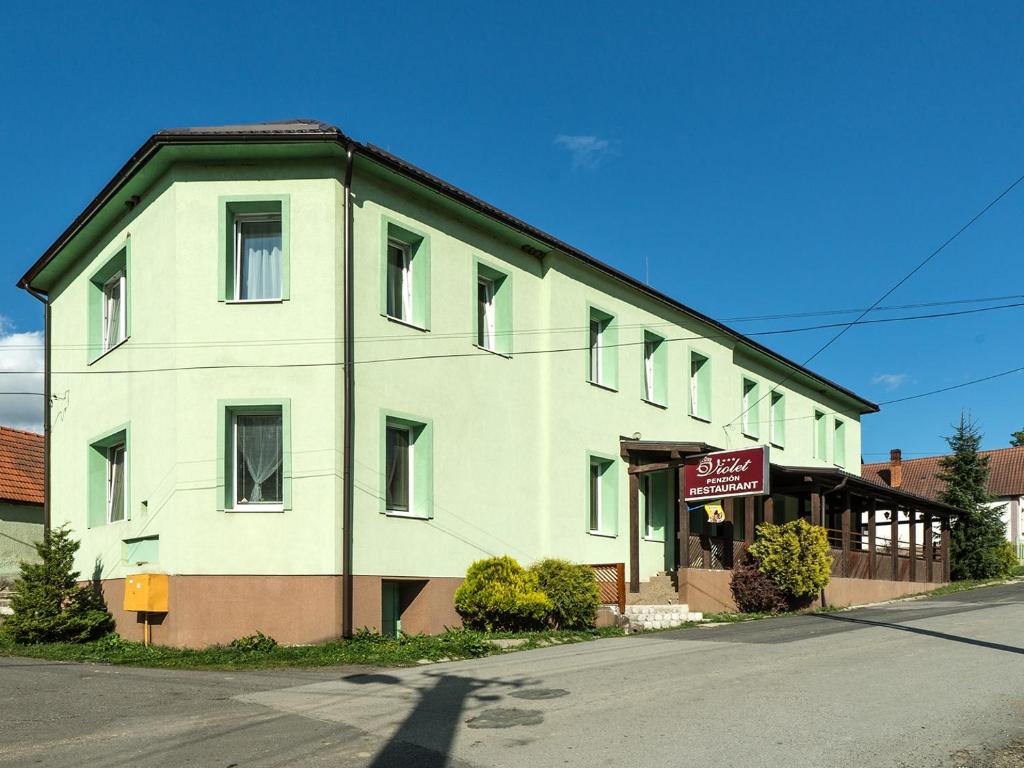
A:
348, 427
46, 403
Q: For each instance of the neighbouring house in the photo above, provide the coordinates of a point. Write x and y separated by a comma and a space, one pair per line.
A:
21, 498
921, 477
311, 383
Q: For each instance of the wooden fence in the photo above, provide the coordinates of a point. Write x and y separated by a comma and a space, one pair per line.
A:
611, 583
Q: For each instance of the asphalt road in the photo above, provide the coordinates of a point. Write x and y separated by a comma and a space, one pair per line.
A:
922, 683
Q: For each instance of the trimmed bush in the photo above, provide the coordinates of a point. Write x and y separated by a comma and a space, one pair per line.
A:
572, 590
796, 557
49, 606
499, 595
753, 591
1008, 561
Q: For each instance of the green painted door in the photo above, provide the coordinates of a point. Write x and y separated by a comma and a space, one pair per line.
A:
391, 618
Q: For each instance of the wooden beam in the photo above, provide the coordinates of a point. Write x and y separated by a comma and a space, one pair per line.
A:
846, 533
872, 510
769, 509
816, 508
682, 524
929, 549
945, 549
748, 520
634, 533
894, 543
913, 545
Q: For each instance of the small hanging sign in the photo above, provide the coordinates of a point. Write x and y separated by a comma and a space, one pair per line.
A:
715, 513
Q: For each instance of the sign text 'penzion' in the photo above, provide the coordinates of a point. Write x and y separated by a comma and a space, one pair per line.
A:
742, 472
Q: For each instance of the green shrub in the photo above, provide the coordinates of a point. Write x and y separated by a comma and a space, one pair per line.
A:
572, 590
1008, 561
258, 643
49, 606
498, 595
754, 591
796, 557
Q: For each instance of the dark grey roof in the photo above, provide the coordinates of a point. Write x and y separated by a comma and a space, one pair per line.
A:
301, 130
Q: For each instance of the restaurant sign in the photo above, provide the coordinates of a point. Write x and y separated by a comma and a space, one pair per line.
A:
724, 474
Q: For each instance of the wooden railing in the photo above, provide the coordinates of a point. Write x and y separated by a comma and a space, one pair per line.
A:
611, 583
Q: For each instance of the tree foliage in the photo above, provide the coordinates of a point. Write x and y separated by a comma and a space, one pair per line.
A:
572, 590
1017, 439
795, 556
49, 605
977, 535
498, 594
754, 591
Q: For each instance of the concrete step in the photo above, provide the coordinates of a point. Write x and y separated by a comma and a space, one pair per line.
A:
660, 616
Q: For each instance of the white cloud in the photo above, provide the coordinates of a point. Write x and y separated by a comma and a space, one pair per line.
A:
21, 352
586, 151
890, 381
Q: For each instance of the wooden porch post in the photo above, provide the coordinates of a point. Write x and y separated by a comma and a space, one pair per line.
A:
871, 538
846, 533
748, 520
634, 532
769, 509
683, 522
815, 507
929, 549
729, 531
913, 545
894, 542
945, 549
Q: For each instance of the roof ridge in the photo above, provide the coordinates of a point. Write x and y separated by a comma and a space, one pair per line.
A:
21, 431
1007, 449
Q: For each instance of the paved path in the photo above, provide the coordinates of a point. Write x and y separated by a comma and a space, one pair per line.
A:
908, 684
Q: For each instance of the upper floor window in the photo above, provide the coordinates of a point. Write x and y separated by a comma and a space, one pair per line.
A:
655, 369
258, 257
107, 499
777, 419
399, 281
493, 319
408, 473
700, 386
749, 404
485, 313
820, 447
602, 361
839, 443
117, 467
115, 318
258, 459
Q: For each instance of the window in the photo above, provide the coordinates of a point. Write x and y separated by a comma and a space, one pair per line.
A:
602, 509
777, 419
108, 299
485, 313
399, 465
108, 486
750, 410
405, 274
602, 360
839, 443
116, 470
820, 449
655, 369
258, 257
700, 386
258, 451
406, 466
399, 280
114, 318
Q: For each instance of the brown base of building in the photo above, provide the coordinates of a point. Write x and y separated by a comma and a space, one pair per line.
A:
708, 591
294, 610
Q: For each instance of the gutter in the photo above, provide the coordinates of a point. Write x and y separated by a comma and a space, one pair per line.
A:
348, 425
46, 403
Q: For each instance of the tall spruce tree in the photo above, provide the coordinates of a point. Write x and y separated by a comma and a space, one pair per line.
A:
49, 605
978, 535
1017, 438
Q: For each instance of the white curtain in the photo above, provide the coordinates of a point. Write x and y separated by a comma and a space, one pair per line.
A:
112, 333
397, 469
116, 490
259, 443
261, 260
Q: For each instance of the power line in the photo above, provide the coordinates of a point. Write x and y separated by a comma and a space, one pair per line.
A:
891, 290
955, 386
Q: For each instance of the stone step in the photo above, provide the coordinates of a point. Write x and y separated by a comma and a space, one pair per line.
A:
660, 616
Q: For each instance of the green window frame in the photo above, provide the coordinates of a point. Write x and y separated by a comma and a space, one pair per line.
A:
820, 446
231, 209
655, 498
226, 411
602, 357
416, 246
492, 325
98, 471
602, 496
699, 379
777, 419
655, 369
420, 480
750, 405
839, 443
116, 271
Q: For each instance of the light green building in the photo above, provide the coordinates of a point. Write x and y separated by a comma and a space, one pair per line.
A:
199, 322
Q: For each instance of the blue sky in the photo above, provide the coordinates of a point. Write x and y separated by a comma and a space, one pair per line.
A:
763, 158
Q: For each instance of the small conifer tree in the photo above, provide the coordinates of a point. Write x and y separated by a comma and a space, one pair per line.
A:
49, 605
1017, 439
977, 536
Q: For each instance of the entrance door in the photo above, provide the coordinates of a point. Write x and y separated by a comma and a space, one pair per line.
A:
391, 609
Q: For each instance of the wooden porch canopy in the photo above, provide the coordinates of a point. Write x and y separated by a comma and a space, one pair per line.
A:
834, 499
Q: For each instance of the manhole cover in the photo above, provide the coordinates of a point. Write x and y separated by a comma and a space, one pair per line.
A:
500, 717
535, 694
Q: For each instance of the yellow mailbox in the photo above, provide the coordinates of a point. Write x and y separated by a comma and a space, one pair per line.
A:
146, 592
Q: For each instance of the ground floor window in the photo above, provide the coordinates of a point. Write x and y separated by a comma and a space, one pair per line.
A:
407, 466
602, 507
258, 458
117, 466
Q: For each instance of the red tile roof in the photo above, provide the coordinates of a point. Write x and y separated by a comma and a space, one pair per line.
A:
21, 466
920, 476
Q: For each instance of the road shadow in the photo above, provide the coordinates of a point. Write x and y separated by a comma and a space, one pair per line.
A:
919, 631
